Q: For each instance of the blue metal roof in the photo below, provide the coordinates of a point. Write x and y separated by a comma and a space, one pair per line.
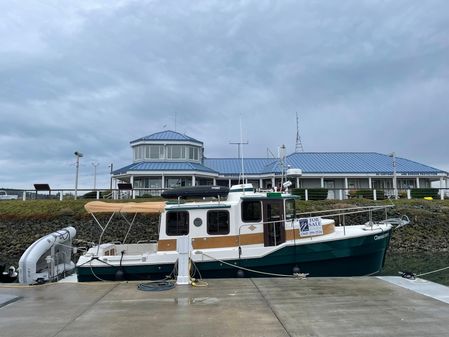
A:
308, 162
355, 162
167, 136
233, 166
164, 166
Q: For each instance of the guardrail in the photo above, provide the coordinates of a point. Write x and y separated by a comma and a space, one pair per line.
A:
306, 194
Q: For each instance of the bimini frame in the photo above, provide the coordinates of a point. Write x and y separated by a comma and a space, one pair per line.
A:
135, 208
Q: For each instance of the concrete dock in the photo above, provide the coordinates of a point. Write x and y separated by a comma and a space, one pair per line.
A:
359, 306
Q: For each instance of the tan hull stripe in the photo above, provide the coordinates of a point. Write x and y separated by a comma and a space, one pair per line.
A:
233, 241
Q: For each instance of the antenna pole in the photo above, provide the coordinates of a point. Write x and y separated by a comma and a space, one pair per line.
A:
298, 147
240, 152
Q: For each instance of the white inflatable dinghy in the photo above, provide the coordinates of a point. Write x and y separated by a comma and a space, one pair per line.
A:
48, 259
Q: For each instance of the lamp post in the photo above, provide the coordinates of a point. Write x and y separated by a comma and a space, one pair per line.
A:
78, 156
111, 167
95, 164
395, 186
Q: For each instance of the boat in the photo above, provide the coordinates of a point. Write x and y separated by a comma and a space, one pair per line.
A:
48, 258
196, 192
246, 234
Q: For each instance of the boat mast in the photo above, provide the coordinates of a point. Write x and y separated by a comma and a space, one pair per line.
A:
240, 153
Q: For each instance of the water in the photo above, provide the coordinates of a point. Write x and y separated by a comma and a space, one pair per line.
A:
418, 263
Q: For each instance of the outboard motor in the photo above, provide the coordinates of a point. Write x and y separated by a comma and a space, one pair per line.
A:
8, 276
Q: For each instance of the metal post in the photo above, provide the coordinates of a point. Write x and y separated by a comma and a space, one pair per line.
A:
95, 164
111, 167
78, 155
395, 186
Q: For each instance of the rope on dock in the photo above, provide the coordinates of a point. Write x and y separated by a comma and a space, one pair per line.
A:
433, 271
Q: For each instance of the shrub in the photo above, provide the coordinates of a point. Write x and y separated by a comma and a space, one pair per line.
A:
92, 195
419, 193
369, 194
313, 193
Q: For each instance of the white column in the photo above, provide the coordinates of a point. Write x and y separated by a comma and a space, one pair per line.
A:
322, 182
417, 182
297, 182
133, 192
193, 181
441, 189
374, 195
260, 183
214, 182
370, 183
183, 247
163, 182
346, 187
273, 182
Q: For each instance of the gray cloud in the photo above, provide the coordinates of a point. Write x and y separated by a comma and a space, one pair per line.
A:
94, 75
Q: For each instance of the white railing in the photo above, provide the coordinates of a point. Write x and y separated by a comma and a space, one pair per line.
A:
307, 194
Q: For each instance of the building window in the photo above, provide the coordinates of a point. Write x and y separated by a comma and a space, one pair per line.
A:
217, 222
175, 151
155, 152
193, 153
139, 152
172, 182
177, 223
251, 211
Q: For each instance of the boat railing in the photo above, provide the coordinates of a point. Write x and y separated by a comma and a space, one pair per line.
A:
341, 213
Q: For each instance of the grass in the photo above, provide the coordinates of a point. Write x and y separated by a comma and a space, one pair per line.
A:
48, 209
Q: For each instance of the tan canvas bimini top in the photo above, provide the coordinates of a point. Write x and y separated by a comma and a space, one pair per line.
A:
156, 207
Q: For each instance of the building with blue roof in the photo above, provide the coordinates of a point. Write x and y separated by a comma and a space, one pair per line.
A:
170, 159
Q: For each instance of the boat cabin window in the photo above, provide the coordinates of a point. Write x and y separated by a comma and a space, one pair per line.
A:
251, 211
217, 222
289, 209
177, 223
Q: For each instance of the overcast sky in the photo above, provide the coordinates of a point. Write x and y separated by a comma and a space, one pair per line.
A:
93, 75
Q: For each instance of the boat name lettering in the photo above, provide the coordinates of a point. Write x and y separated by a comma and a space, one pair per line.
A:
380, 237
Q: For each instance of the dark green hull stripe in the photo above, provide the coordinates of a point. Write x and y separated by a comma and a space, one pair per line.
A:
350, 257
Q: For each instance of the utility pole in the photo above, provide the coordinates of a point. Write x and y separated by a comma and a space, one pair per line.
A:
78, 156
